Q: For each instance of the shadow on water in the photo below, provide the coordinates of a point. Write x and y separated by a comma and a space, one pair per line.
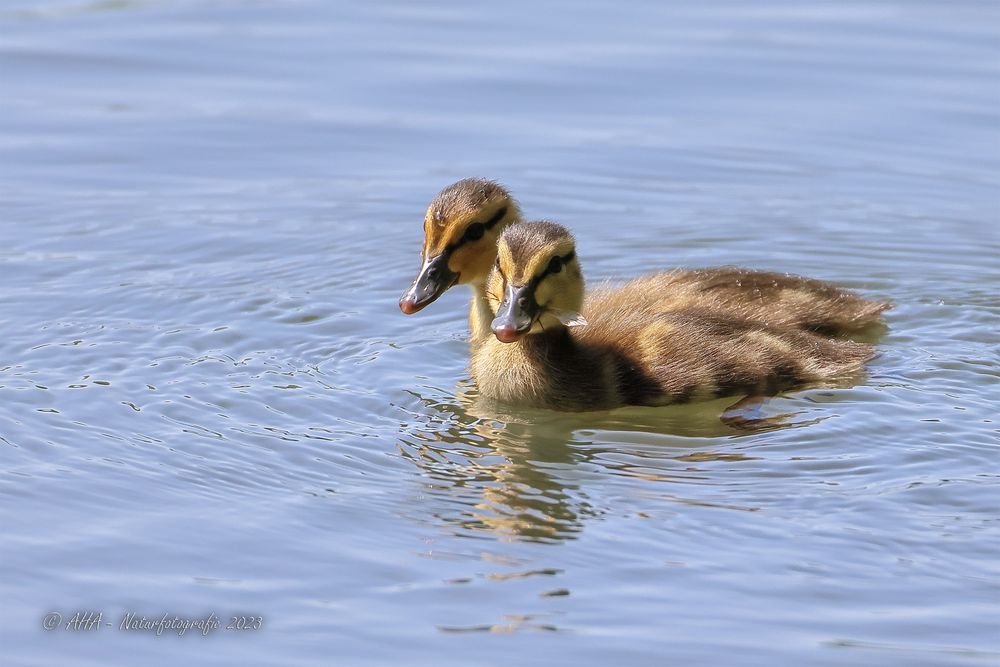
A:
524, 475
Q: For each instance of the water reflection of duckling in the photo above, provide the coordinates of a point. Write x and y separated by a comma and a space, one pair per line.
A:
464, 221
526, 474
630, 353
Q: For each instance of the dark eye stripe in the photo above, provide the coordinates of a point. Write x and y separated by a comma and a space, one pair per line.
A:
475, 236
565, 259
497, 217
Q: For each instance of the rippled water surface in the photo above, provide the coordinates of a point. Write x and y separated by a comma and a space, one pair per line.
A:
210, 403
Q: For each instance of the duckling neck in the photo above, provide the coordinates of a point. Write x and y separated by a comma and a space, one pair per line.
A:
480, 315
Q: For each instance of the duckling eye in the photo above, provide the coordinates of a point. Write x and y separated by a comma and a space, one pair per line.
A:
555, 265
475, 231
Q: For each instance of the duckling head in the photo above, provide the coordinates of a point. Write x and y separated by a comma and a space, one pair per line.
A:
461, 228
536, 284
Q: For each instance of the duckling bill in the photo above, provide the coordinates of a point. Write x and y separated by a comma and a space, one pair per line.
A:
551, 350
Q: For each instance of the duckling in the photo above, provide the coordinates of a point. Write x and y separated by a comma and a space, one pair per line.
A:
461, 228
464, 221
547, 353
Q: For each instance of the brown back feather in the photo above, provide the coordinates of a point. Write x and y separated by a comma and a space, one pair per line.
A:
775, 299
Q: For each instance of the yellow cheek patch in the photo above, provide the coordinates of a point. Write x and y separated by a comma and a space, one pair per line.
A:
492, 301
545, 291
474, 258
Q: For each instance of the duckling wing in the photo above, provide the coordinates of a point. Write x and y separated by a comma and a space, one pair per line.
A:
771, 298
684, 355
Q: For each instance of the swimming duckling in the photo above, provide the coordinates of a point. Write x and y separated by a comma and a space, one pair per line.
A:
464, 221
543, 355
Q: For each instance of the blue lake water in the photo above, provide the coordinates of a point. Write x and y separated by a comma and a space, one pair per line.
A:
210, 403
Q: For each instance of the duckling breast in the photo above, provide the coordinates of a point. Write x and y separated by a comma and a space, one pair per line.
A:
548, 370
